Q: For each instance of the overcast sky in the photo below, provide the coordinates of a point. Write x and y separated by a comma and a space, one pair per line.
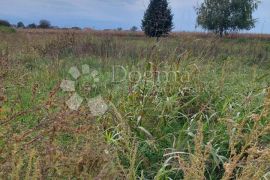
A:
108, 14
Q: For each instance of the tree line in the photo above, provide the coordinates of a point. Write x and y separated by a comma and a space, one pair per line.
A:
45, 24
218, 16
42, 24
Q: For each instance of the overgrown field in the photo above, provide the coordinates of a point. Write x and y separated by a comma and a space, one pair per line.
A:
188, 107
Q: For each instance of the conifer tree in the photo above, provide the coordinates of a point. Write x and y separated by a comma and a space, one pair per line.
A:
157, 21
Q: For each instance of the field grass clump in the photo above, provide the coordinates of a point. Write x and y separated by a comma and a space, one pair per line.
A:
5, 29
187, 107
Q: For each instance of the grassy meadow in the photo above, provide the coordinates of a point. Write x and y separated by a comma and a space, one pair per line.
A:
191, 106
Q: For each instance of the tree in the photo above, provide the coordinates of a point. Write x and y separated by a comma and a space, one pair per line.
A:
45, 24
119, 29
221, 16
76, 28
32, 26
4, 23
157, 21
20, 25
133, 28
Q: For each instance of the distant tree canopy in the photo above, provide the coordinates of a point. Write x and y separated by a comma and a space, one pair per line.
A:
221, 16
76, 28
45, 24
20, 25
119, 29
134, 28
32, 26
4, 23
157, 19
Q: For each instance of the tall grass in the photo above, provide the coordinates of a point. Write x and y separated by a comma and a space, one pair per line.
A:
208, 119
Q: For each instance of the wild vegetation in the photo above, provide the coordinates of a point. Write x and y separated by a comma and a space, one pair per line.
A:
224, 16
191, 106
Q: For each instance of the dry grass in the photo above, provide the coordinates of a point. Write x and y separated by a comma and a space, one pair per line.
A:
210, 121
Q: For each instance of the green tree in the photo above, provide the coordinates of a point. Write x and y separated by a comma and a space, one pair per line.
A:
45, 24
20, 25
157, 21
133, 28
32, 26
119, 29
222, 16
76, 28
4, 23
